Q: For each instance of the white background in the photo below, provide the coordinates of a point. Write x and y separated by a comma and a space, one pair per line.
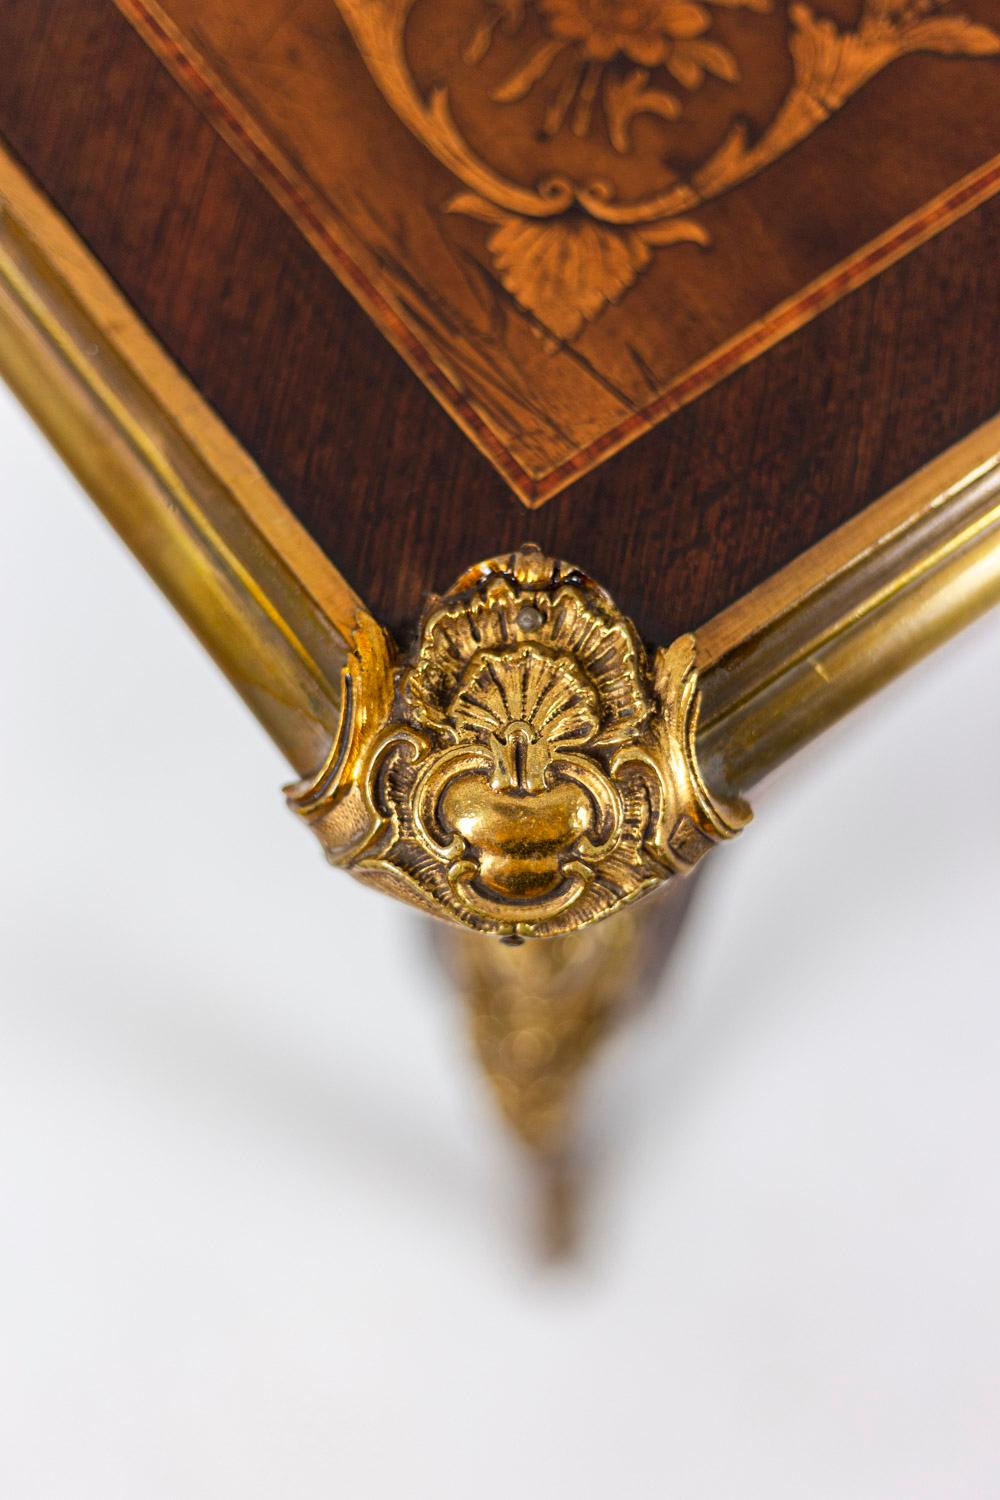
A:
260, 1233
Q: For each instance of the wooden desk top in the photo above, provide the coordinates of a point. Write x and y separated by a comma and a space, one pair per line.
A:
519, 321
874, 234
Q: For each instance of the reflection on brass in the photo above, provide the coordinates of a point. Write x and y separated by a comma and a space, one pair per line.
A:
567, 246
851, 614
776, 669
571, 217
538, 1015
539, 1012
183, 494
527, 770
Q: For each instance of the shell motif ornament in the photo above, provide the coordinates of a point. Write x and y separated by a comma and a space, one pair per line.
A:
526, 769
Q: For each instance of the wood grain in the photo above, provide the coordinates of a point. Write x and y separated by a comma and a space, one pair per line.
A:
555, 341
677, 526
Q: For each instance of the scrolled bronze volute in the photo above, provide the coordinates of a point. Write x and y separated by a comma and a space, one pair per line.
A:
527, 769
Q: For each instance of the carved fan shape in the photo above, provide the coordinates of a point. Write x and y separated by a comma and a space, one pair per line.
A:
559, 622
518, 776
525, 686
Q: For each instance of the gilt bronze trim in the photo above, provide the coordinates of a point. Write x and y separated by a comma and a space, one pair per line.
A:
182, 493
774, 670
851, 614
527, 769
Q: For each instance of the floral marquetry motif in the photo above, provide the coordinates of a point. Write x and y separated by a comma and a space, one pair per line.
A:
527, 770
600, 34
572, 217
573, 241
565, 266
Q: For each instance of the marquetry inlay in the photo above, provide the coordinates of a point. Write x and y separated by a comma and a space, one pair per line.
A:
572, 216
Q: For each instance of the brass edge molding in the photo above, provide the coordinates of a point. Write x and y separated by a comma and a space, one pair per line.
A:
930, 491
171, 479
793, 656
774, 669
526, 769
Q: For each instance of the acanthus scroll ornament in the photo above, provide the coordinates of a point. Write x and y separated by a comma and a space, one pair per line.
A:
527, 769
567, 245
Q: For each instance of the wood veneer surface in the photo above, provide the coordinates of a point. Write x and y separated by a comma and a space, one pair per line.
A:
677, 525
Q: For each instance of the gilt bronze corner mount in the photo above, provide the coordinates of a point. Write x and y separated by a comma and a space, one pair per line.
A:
527, 768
